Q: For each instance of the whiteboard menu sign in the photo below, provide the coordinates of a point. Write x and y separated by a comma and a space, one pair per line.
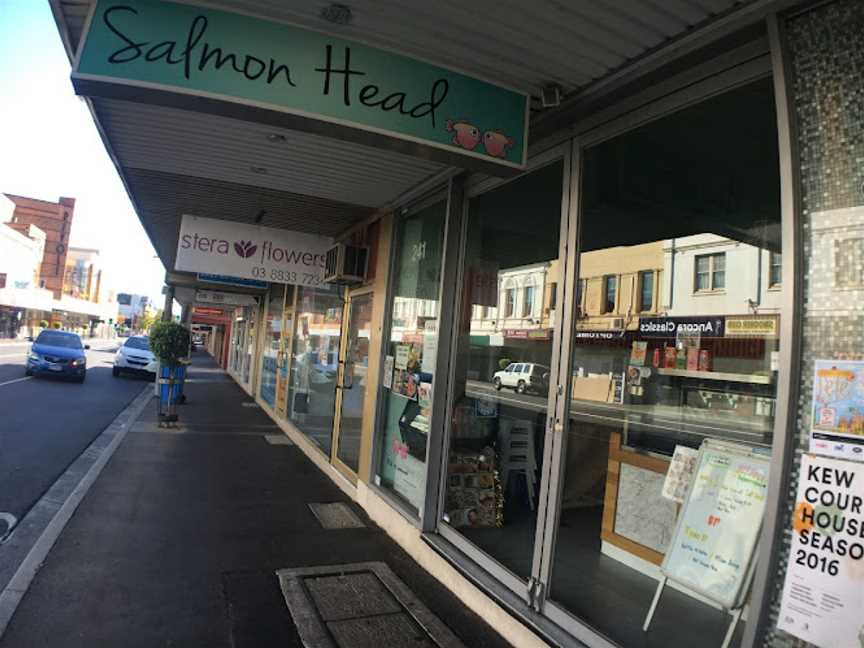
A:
714, 541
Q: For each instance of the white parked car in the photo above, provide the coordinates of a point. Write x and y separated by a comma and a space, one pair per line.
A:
523, 377
135, 357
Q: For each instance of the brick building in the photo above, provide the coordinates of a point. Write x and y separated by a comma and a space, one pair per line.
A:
55, 219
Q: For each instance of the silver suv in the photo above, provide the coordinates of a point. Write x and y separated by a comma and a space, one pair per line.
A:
523, 377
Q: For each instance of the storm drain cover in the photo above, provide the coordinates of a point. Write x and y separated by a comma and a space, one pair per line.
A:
361, 605
336, 515
250, 404
278, 439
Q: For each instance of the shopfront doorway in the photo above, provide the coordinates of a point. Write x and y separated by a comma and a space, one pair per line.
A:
354, 377
620, 305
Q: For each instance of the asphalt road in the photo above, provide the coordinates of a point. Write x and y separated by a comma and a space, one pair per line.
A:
46, 423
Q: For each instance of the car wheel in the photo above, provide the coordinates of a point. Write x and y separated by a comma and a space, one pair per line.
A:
82, 378
115, 371
27, 372
497, 384
521, 388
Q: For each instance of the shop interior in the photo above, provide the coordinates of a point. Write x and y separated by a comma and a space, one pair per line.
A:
702, 185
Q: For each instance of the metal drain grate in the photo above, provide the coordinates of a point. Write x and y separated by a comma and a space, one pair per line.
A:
278, 439
336, 515
250, 404
361, 605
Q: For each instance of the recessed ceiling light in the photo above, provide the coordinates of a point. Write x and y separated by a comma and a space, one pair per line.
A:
338, 14
257, 169
276, 138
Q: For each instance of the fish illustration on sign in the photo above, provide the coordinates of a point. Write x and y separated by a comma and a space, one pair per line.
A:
464, 134
496, 143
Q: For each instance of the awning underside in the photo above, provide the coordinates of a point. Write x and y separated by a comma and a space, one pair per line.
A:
177, 162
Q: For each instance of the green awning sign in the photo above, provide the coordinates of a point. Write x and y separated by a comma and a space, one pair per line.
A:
241, 66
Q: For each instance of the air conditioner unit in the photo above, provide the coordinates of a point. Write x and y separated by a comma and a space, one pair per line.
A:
346, 264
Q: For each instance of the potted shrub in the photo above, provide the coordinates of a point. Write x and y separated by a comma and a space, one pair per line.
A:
169, 342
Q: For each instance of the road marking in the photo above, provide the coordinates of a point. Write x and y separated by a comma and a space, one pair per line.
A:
17, 380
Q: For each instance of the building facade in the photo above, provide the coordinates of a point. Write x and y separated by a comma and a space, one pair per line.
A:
681, 253
23, 303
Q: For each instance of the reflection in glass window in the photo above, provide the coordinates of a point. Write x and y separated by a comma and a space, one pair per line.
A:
646, 291
411, 353
610, 290
776, 277
510, 302
270, 353
314, 363
711, 271
528, 301
695, 196
501, 373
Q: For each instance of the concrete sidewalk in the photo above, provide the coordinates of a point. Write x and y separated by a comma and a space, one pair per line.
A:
178, 541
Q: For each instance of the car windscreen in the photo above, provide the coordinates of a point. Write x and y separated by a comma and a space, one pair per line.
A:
138, 343
56, 339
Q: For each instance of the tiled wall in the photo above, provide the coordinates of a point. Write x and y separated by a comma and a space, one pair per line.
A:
825, 47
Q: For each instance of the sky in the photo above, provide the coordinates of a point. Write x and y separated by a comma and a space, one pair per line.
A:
49, 147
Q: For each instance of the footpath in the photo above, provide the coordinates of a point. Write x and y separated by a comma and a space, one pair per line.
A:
178, 541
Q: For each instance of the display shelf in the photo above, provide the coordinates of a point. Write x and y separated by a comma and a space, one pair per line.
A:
754, 379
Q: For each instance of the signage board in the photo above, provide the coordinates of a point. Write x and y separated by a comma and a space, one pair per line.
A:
250, 251
211, 312
673, 327
838, 409
528, 334
713, 544
231, 281
823, 596
229, 299
753, 326
319, 82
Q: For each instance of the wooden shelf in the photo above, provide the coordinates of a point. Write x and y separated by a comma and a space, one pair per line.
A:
754, 379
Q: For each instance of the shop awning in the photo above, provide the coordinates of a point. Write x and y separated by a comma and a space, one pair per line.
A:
177, 156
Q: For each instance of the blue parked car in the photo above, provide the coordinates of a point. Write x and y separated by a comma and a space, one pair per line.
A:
58, 353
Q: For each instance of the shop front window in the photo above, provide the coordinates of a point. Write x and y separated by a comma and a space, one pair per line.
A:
315, 363
700, 378
411, 352
501, 376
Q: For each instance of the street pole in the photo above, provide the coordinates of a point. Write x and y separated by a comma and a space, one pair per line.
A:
167, 316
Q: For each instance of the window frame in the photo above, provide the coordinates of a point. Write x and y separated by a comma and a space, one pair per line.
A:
608, 280
712, 272
643, 275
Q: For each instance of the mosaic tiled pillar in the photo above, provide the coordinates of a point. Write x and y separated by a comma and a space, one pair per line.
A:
825, 50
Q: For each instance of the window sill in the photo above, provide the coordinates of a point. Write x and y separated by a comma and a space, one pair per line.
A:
706, 293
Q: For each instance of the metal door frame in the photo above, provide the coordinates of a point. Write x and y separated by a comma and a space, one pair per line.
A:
350, 295
522, 588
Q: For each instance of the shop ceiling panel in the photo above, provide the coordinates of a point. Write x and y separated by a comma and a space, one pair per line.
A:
219, 148
162, 198
525, 45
